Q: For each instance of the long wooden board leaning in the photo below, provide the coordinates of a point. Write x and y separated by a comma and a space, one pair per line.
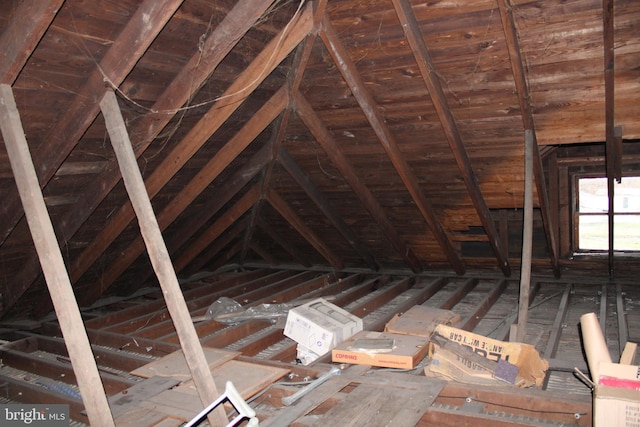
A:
450, 364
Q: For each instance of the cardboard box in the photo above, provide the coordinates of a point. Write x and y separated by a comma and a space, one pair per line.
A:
405, 353
421, 321
532, 368
318, 326
618, 403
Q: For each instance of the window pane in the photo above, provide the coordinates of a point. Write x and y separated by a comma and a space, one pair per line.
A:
626, 232
593, 232
593, 195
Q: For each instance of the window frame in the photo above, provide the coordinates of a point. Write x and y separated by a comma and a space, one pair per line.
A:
576, 214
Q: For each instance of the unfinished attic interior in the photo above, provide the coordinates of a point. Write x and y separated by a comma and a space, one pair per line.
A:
161, 159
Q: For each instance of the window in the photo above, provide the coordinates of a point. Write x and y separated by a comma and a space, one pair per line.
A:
592, 215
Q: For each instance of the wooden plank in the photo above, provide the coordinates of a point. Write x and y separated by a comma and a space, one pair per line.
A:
426, 66
122, 402
247, 378
372, 111
527, 239
323, 392
380, 406
175, 365
53, 266
28, 24
159, 255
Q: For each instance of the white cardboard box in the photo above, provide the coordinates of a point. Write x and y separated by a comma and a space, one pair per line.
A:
319, 325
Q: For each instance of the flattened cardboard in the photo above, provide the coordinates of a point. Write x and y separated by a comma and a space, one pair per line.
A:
408, 351
421, 321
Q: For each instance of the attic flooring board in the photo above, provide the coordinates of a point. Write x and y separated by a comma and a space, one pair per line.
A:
175, 365
373, 406
182, 402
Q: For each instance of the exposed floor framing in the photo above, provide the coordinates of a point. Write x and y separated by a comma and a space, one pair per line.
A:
129, 332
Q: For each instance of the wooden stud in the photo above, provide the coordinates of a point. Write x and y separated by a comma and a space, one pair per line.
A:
527, 238
53, 266
159, 257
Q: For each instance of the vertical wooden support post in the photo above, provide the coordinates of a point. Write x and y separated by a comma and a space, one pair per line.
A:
55, 273
527, 238
159, 257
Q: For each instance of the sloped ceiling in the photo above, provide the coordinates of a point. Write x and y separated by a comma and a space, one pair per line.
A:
373, 134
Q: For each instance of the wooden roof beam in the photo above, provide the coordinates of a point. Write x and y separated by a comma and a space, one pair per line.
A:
207, 174
118, 62
28, 24
425, 64
283, 242
303, 52
372, 112
334, 151
298, 224
212, 251
517, 66
206, 237
275, 52
314, 193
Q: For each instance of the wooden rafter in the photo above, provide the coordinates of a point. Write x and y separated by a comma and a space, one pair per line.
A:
212, 251
288, 246
209, 235
296, 222
372, 112
524, 98
450, 128
300, 61
289, 163
119, 60
258, 70
232, 187
207, 174
29, 23
325, 140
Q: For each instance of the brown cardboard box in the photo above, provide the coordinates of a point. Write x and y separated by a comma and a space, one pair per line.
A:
405, 352
420, 320
617, 404
532, 368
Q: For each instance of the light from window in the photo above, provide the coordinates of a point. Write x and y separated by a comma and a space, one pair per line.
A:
593, 207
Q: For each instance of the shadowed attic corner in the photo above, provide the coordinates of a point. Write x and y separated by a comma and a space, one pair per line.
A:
475, 157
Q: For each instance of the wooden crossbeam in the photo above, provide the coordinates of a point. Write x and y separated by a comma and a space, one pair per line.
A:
159, 257
52, 263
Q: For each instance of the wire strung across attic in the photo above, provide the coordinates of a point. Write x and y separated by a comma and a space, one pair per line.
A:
284, 32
